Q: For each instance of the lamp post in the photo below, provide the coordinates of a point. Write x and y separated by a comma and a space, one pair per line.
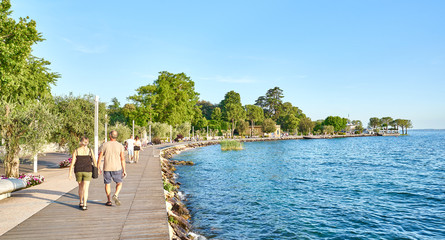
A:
96, 126
106, 125
149, 133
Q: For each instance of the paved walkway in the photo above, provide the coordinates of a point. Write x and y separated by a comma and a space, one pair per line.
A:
142, 214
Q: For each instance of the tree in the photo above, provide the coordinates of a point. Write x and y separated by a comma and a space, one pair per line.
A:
183, 129
337, 122
374, 122
385, 121
254, 114
160, 130
306, 125
232, 109
25, 84
216, 114
271, 103
23, 77
408, 124
242, 127
269, 125
31, 124
404, 124
328, 129
206, 108
124, 132
290, 123
76, 116
115, 113
171, 99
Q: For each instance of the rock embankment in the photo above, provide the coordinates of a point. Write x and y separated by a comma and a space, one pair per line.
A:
178, 214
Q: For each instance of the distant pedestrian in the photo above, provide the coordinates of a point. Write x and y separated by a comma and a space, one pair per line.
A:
114, 166
137, 148
130, 148
82, 163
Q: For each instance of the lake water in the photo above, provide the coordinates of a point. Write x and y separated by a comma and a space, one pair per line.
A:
352, 188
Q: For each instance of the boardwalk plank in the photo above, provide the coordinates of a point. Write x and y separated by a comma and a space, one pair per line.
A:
142, 214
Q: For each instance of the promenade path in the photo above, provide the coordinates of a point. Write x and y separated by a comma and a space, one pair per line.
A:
142, 214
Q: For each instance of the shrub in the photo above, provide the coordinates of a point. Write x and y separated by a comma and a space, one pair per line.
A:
65, 163
31, 180
230, 145
168, 187
179, 137
156, 140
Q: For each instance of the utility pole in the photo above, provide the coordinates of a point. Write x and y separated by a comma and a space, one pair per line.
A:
96, 126
171, 139
106, 125
149, 133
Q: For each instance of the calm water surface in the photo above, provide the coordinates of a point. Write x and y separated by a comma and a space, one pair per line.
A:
354, 188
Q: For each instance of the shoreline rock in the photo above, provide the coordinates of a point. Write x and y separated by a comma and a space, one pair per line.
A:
178, 214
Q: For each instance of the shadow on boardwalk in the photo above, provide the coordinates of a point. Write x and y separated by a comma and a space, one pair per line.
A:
142, 214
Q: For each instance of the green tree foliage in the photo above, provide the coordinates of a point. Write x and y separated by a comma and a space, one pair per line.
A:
268, 125
183, 129
306, 125
385, 121
23, 77
25, 84
124, 132
242, 127
201, 123
206, 108
318, 126
337, 122
404, 124
357, 123
216, 114
115, 112
31, 124
76, 116
271, 103
290, 123
254, 114
171, 99
160, 130
232, 108
328, 129
374, 122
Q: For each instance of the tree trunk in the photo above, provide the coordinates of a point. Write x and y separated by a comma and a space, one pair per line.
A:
12, 163
251, 131
12, 160
233, 127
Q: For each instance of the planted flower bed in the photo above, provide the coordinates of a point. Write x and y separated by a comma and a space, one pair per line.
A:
65, 163
31, 180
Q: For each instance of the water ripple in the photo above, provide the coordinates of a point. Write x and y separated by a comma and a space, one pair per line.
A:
355, 188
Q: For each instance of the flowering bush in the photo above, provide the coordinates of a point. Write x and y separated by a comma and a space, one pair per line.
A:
65, 163
31, 180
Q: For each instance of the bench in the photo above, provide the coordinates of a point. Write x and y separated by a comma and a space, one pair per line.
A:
10, 185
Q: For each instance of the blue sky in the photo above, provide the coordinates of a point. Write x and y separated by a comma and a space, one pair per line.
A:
353, 58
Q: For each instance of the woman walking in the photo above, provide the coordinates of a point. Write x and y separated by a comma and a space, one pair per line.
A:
137, 148
82, 163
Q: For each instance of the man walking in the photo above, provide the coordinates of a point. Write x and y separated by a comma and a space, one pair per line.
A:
130, 148
114, 166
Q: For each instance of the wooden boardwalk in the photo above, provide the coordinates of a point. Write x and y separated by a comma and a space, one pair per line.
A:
142, 214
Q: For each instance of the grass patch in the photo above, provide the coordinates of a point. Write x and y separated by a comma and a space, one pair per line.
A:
172, 220
231, 145
168, 187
